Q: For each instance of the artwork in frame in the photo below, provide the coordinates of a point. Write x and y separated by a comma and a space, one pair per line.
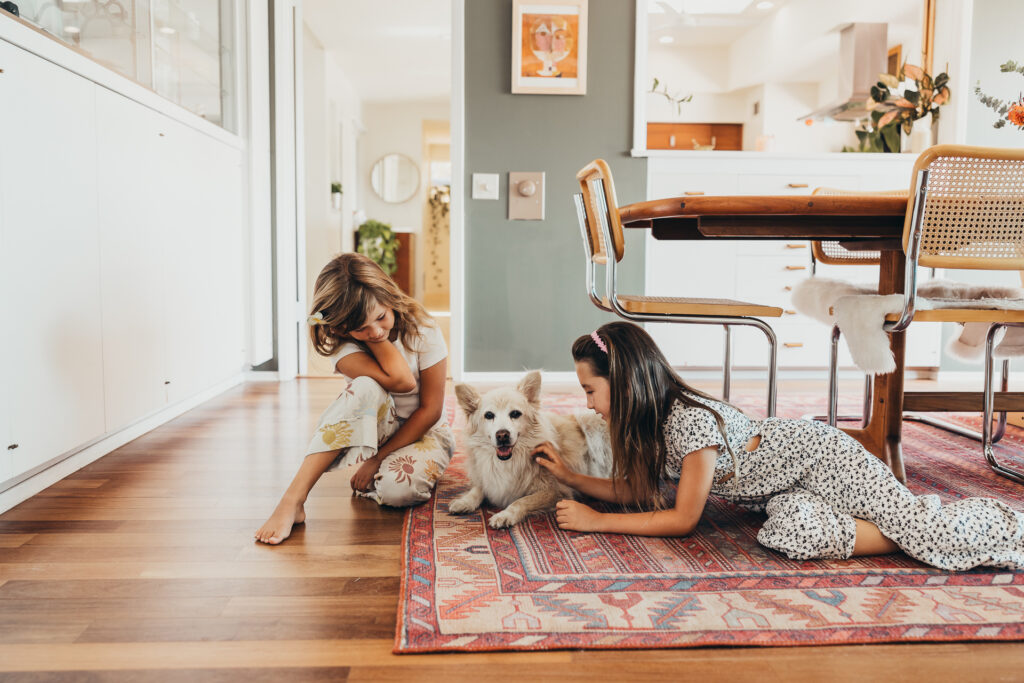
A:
549, 47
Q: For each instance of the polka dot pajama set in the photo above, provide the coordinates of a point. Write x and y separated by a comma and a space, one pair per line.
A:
813, 480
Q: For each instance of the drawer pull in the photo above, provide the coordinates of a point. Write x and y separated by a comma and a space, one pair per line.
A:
12, 446
793, 345
796, 267
693, 193
788, 312
796, 246
787, 288
794, 185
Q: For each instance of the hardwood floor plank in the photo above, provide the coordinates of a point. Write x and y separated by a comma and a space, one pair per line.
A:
269, 675
15, 540
238, 654
176, 588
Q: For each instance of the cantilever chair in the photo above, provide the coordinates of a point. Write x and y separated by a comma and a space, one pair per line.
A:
834, 254
966, 212
604, 244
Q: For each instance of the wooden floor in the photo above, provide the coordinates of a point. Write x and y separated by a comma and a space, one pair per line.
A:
142, 567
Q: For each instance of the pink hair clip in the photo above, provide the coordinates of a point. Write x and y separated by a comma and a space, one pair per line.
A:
597, 340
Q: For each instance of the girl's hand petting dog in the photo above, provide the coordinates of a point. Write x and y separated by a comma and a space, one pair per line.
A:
547, 456
362, 480
576, 516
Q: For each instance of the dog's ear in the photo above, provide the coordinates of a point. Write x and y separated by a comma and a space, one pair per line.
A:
469, 398
530, 386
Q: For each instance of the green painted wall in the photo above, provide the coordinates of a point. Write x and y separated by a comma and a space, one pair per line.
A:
524, 280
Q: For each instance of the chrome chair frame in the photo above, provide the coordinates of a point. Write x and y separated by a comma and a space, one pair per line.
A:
913, 251
611, 289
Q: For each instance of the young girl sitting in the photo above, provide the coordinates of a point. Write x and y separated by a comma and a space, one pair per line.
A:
389, 417
825, 495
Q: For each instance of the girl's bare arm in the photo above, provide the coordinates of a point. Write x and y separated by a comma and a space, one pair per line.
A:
384, 364
695, 481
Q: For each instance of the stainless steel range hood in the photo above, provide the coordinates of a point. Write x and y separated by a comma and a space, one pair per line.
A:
863, 53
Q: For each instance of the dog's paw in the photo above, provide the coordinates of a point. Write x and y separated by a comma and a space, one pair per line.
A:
505, 519
462, 505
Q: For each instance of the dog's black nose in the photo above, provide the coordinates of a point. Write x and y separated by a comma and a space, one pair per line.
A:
503, 437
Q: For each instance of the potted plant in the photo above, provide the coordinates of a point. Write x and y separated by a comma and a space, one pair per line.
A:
378, 242
903, 99
336, 195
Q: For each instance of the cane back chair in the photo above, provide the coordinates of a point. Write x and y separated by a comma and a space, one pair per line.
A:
604, 244
831, 252
966, 212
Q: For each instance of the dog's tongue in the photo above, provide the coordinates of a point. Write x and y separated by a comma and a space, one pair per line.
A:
504, 451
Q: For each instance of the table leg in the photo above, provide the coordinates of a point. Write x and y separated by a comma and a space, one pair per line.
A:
882, 434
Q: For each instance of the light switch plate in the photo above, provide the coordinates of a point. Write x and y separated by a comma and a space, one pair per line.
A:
485, 186
525, 196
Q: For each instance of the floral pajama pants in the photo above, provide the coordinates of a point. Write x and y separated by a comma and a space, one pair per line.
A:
360, 420
813, 480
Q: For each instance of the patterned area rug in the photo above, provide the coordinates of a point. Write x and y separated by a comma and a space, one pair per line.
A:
468, 587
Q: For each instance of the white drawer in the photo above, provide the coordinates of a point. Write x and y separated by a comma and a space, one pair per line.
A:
794, 183
692, 184
770, 281
801, 344
798, 249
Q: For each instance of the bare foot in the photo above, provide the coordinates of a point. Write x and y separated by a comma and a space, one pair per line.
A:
280, 524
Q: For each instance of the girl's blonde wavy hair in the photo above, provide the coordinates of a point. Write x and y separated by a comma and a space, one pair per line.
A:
346, 291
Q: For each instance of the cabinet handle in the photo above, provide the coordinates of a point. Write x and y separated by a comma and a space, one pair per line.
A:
693, 193
12, 446
167, 382
793, 345
787, 312
787, 288
796, 246
797, 185
796, 267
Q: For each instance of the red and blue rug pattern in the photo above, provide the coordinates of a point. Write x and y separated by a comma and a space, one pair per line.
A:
467, 587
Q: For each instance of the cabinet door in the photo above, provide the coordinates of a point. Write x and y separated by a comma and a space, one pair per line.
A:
48, 185
131, 257
200, 223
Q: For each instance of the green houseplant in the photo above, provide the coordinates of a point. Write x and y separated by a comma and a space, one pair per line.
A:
378, 242
895, 103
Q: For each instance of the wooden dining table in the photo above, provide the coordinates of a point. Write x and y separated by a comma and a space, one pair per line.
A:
858, 222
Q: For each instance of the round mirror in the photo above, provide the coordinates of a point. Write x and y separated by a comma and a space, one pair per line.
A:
395, 178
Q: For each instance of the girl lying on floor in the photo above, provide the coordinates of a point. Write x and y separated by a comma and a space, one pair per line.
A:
825, 495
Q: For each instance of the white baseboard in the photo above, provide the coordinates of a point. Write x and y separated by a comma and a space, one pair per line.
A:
69, 463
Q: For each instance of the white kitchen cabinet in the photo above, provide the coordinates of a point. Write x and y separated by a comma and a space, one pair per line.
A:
131, 258
54, 357
762, 272
121, 263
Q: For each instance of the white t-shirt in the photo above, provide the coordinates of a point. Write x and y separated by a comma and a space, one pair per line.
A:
428, 350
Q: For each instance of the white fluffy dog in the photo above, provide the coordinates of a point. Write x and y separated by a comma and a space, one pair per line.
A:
503, 427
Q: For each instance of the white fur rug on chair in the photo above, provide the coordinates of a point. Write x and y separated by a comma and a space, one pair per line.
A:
860, 314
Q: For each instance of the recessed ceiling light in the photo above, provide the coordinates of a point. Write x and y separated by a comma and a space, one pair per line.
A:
666, 39
167, 30
72, 29
765, 5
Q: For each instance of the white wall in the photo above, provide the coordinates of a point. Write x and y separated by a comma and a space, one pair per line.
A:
332, 111
396, 127
995, 39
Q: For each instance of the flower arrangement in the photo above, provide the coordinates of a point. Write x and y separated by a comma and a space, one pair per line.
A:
897, 101
1008, 111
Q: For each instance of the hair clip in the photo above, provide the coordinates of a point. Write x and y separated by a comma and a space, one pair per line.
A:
315, 319
597, 340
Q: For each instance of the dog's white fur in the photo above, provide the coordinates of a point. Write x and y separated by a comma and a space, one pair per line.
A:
518, 484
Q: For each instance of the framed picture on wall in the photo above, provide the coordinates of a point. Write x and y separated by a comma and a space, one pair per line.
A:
549, 47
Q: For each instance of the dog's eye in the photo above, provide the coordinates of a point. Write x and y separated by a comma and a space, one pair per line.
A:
488, 415
515, 414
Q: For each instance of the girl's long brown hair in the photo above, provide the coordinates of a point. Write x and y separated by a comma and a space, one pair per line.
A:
345, 293
643, 388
